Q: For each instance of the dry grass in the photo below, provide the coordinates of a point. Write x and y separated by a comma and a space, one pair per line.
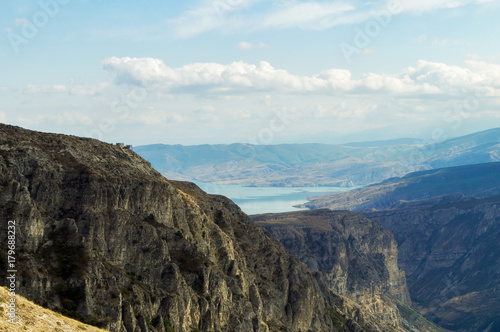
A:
31, 317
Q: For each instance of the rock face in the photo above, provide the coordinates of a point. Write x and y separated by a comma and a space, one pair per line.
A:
451, 254
356, 255
104, 238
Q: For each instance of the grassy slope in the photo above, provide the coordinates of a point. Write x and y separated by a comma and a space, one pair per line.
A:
32, 317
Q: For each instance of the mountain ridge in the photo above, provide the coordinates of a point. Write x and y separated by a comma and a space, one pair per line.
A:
104, 238
317, 164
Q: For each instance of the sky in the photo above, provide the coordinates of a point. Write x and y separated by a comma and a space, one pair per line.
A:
251, 71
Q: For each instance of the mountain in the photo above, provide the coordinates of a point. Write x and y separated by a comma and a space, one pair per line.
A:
104, 238
439, 185
451, 255
357, 256
33, 318
447, 225
318, 164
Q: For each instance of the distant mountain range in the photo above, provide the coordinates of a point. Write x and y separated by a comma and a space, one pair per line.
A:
317, 164
433, 186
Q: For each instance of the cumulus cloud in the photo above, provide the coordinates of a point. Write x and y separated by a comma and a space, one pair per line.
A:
2, 117
426, 78
31, 89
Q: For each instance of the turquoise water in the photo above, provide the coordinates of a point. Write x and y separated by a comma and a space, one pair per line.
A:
255, 200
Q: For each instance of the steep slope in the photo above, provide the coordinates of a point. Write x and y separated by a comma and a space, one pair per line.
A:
33, 318
104, 238
318, 164
439, 185
451, 255
357, 256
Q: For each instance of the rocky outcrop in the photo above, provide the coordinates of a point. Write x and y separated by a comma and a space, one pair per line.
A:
451, 255
104, 238
356, 255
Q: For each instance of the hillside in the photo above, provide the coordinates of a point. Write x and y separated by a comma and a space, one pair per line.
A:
451, 255
447, 224
33, 318
356, 255
104, 238
440, 185
318, 164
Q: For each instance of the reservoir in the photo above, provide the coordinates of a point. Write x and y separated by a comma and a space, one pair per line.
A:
256, 200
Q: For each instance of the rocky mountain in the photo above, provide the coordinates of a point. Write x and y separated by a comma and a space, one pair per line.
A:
34, 318
440, 185
357, 256
318, 164
451, 255
104, 238
447, 225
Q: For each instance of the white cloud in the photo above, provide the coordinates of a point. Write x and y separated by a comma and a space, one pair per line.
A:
248, 46
44, 89
368, 51
89, 90
68, 118
208, 16
426, 78
3, 117
155, 117
429, 5
310, 15
206, 113
229, 16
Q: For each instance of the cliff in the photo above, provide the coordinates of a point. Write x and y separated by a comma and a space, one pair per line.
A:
104, 238
451, 255
357, 256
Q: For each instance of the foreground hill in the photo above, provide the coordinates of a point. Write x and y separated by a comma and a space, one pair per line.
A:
33, 318
104, 238
318, 164
440, 185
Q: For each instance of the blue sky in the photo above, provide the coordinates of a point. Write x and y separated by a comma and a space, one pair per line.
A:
263, 72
